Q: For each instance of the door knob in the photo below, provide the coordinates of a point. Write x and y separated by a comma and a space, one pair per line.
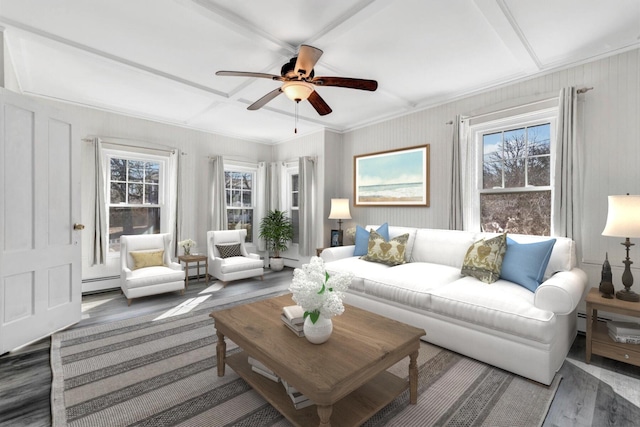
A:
77, 226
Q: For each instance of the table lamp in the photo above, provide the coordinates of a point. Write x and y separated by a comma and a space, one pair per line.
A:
623, 220
339, 211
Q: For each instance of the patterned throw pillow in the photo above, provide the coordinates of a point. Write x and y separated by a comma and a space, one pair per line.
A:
227, 251
484, 259
386, 252
143, 259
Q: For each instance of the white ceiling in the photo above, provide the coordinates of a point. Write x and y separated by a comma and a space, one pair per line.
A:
157, 59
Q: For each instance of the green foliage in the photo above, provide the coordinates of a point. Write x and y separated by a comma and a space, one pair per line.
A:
277, 230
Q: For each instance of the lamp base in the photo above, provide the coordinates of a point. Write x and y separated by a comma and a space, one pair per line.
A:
628, 295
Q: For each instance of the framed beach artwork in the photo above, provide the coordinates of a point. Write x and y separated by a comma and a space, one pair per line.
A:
392, 178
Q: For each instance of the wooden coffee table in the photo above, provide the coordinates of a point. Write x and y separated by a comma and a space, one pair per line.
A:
346, 376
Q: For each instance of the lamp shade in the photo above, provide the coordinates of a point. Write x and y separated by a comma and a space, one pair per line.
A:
623, 217
339, 209
297, 90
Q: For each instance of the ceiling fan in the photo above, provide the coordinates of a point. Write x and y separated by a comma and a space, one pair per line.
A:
299, 81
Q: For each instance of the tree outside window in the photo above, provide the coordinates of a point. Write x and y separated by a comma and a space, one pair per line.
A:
515, 194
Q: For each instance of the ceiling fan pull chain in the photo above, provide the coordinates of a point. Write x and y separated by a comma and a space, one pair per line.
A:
295, 130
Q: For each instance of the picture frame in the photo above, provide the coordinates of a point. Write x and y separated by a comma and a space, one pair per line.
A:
336, 238
392, 178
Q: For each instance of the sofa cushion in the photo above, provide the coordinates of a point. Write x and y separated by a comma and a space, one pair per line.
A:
411, 283
150, 276
525, 263
148, 258
239, 263
484, 259
362, 238
503, 306
390, 252
229, 250
447, 247
361, 270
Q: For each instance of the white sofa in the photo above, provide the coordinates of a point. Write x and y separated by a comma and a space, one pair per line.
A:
502, 324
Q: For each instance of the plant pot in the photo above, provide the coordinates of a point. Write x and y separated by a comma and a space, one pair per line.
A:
319, 332
276, 264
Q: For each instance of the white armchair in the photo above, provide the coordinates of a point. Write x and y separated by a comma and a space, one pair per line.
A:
146, 266
228, 257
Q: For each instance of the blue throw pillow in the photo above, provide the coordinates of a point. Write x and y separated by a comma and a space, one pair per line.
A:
525, 263
362, 238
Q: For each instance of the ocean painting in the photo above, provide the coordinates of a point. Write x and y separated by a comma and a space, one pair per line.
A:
398, 177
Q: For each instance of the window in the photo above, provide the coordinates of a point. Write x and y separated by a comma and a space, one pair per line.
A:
239, 185
135, 196
294, 205
515, 181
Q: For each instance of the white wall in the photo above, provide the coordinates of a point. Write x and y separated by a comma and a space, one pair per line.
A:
609, 129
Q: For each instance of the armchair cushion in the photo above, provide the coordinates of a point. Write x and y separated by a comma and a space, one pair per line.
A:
148, 258
229, 250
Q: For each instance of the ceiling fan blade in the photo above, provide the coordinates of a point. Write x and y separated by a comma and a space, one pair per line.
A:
307, 58
319, 104
248, 74
347, 82
265, 99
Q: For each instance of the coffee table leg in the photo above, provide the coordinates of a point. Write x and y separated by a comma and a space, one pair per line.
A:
413, 377
324, 413
221, 350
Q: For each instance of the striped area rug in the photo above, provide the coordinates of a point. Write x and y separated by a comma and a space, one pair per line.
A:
160, 370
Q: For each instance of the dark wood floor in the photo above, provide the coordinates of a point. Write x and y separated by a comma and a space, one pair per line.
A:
25, 375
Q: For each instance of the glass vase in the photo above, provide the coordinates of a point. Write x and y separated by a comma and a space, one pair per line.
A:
318, 332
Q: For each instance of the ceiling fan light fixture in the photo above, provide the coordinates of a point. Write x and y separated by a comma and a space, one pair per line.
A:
297, 90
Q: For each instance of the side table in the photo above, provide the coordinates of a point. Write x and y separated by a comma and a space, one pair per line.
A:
197, 259
598, 340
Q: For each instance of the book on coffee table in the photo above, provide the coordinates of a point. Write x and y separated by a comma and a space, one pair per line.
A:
294, 314
260, 368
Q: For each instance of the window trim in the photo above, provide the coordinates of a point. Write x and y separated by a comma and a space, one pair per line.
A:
524, 119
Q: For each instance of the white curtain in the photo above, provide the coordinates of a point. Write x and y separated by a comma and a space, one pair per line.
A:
468, 173
277, 186
174, 194
262, 197
455, 209
100, 237
217, 197
307, 205
567, 167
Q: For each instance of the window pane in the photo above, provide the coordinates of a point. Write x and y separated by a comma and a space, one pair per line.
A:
118, 193
514, 173
228, 200
238, 219
152, 172
131, 220
539, 170
492, 147
294, 183
136, 170
247, 181
237, 180
227, 180
539, 139
236, 198
246, 199
295, 220
118, 169
515, 144
135, 193
492, 175
294, 200
151, 194
522, 213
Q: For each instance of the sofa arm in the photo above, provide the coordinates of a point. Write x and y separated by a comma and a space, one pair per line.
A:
562, 292
253, 256
175, 266
337, 252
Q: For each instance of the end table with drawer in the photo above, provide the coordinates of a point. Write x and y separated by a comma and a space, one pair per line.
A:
197, 259
598, 340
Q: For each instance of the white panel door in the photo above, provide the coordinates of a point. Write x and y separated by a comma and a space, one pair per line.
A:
40, 256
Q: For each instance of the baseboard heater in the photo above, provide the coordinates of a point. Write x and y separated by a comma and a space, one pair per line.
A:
96, 285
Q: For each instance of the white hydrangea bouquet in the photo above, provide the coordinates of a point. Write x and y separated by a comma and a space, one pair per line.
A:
317, 292
187, 244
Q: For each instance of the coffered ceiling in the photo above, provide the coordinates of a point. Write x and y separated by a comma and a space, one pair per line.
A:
157, 59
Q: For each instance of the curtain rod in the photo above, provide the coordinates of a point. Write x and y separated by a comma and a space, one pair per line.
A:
578, 91
106, 139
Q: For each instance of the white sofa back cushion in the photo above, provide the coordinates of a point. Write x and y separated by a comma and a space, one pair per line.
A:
446, 247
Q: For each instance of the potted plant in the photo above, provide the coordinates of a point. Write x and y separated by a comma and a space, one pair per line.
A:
277, 231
